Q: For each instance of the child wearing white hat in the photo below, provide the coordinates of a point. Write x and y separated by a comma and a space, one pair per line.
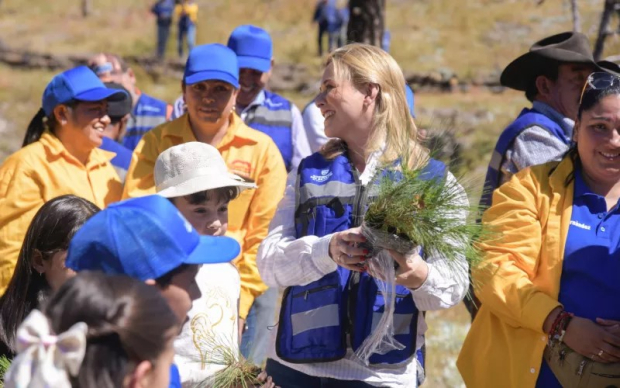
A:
194, 177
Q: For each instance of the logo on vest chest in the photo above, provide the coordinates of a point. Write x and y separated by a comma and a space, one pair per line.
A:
325, 174
580, 225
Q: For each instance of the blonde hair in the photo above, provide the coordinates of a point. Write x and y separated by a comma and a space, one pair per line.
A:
392, 125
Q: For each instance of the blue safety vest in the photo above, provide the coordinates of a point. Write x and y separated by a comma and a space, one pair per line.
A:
148, 113
274, 117
320, 320
527, 118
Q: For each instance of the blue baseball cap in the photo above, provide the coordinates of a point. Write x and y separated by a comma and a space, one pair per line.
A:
79, 83
253, 47
144, 238
409, 93
211, 62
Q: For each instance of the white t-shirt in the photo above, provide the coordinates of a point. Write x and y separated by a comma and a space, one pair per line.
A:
212, 325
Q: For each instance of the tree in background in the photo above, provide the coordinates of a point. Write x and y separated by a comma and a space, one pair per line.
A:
366, 22
85, 8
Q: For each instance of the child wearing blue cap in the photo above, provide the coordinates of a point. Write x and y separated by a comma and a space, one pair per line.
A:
148, 239
259, 108
59, 156
210, 86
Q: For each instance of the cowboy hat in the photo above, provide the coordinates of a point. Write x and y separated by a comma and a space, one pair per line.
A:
567, 47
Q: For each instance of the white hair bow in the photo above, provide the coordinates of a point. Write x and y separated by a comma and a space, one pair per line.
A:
44, 359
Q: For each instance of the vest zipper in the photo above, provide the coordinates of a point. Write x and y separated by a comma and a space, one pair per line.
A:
312, 291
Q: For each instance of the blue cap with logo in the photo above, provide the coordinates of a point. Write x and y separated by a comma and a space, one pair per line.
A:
144, 238
253, 47
211, 62
79, 83
409, 93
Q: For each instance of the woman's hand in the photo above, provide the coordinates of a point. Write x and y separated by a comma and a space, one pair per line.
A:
412, 269
592, 340
612, 327
345, 251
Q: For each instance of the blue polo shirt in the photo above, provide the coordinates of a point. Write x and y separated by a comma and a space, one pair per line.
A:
590, 282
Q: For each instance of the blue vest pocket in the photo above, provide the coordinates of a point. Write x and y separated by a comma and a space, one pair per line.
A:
324, 220
310, 328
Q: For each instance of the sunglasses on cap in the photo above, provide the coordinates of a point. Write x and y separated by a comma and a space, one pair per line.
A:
599, 81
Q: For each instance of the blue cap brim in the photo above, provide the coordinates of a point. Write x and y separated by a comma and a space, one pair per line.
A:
260, 64
211, 76
99, 94
213, 250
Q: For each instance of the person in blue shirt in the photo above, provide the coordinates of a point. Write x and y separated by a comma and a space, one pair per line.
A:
147, 113
551, 74
260, 108
148, 239
119, 113
326, 16
163, 11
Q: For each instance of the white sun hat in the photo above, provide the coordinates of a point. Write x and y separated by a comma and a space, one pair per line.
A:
191, 168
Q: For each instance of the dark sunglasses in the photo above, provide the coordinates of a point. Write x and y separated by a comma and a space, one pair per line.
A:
599, 81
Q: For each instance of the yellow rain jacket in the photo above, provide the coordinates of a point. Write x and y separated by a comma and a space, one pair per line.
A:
249, 154
519, 279
42, 171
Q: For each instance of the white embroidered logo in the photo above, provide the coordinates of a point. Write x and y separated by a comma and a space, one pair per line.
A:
325, 174
580, 225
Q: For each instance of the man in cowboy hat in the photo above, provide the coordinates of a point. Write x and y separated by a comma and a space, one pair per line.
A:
552, 75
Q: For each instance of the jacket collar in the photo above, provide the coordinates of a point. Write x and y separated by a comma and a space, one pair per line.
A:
54, 147
180, 128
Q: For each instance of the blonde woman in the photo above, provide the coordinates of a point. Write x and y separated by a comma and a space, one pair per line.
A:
312, 251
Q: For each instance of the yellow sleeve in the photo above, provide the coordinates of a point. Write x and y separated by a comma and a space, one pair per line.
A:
20, 198
139, 180
193, 13
178, 9
271, 184
511, 256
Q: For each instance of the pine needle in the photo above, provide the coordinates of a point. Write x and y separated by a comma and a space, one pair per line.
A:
427, 213
237, 373
5, 364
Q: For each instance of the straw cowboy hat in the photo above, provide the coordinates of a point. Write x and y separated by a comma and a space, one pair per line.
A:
567, 47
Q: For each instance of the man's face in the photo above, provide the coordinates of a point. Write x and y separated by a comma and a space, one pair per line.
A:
251, 82
564, 93
116, 73
209, 102
181, 291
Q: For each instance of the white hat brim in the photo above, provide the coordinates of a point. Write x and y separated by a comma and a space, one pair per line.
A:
203, 183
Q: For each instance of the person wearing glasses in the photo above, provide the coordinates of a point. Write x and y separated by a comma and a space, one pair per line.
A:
551, 74
550, 313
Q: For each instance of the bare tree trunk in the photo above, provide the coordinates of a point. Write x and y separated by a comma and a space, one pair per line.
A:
603, 29
367, 21
85, 8
576, 16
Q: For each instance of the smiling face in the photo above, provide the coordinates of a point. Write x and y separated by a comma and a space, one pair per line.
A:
84, 124
598, 141
209, 102
251, 82
342, 106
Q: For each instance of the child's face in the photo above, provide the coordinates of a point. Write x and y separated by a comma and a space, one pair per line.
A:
209, 218
182, 291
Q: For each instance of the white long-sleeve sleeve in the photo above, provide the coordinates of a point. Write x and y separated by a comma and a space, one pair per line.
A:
285, 261
301, 145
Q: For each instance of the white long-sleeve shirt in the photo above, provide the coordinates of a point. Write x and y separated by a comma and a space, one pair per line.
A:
284, 261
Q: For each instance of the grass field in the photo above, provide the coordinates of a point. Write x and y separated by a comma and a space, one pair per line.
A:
471, 38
